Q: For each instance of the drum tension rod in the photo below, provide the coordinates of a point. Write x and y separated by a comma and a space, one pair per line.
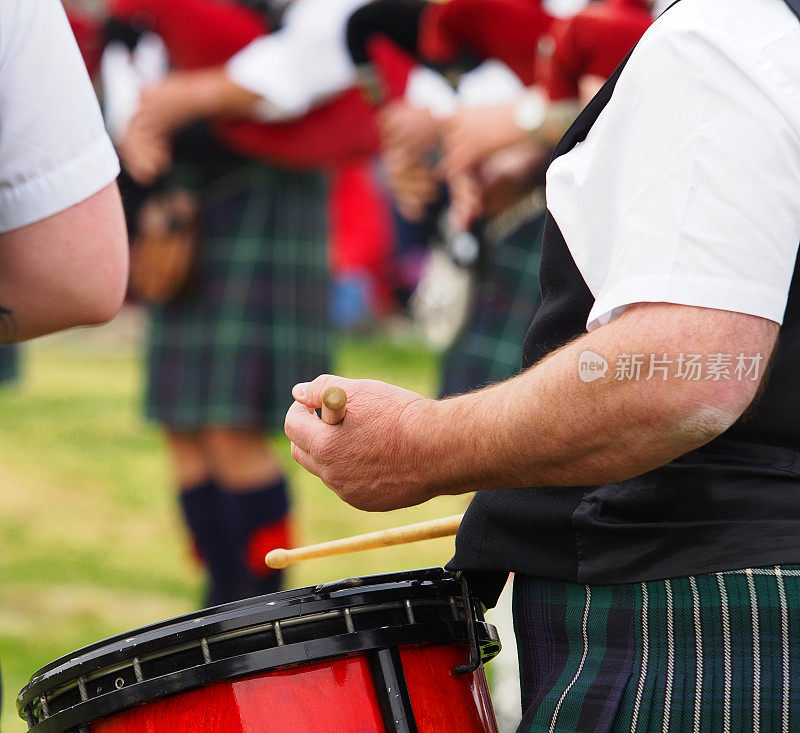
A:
475, 657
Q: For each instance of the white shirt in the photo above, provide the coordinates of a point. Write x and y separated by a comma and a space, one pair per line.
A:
54, 151
301, 65
491, 83
687, 189
124, 73
564, 8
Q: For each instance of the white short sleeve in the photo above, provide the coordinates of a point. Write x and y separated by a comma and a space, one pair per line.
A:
687, 189
301, 65
54, 151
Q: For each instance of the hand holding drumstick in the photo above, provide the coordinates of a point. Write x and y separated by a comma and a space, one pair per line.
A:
365, 446
334, 405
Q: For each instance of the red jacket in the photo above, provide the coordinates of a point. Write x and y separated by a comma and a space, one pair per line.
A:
206, 33
87, 33
593, 42
508, 30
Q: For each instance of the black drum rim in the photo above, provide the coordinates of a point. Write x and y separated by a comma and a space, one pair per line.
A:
428, 591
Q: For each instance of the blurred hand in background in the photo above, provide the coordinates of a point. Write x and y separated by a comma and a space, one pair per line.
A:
471, 135
169, 105
410, 136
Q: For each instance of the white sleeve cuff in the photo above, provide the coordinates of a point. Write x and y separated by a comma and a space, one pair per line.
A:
752, 298
427, 89
49, 193
266, 68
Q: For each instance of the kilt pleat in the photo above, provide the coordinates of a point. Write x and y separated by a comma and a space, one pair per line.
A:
707, 654
255, 322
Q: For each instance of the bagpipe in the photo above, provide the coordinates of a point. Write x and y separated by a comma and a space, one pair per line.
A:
451, 37
202, 34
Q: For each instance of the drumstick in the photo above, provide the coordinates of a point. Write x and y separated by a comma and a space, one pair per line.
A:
444, 527
334, 405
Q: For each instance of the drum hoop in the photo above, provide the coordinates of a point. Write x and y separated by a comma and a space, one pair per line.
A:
262, 662
393, 593
430, 582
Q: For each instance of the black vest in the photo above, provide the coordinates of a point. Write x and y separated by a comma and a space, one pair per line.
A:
731, 504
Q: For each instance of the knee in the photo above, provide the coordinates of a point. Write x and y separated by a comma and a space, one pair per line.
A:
239, 457
190, 464
221, 443
226, 450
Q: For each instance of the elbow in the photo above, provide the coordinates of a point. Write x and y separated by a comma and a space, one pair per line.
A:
99, 292
97, 287
712, 410
103, 297
104, 306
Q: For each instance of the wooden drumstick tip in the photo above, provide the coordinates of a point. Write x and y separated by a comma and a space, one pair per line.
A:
334, 405
277, 559
444, 527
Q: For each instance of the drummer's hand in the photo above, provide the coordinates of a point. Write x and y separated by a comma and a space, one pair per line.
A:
369, 459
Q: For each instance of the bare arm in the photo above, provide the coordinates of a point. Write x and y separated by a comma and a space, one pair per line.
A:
179, 99
206, 93
544, 427
472, 135
67, 270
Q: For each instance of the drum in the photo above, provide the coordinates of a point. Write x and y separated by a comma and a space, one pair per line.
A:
397, 652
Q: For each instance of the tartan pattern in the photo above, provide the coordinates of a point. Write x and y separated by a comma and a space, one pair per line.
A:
490, 349
255, 323
707, 653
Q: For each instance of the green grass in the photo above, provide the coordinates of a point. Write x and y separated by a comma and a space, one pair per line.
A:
91, 543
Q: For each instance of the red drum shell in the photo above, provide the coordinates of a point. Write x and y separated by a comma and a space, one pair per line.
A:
338, 695
362, 654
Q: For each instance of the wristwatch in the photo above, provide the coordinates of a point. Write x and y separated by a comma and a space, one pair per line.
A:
530, 112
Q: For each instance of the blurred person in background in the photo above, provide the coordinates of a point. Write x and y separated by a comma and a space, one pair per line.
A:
250, 315
470, 300
490, 154
63, 245
490, 142
574, 58
362, 249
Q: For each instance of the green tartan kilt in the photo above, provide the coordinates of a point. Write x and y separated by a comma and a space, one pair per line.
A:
707, 653
508, 296
255, 321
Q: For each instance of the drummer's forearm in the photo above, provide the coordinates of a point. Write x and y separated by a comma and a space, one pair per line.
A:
548, 427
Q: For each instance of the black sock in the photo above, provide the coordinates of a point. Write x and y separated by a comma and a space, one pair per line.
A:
256, 521
200, 508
